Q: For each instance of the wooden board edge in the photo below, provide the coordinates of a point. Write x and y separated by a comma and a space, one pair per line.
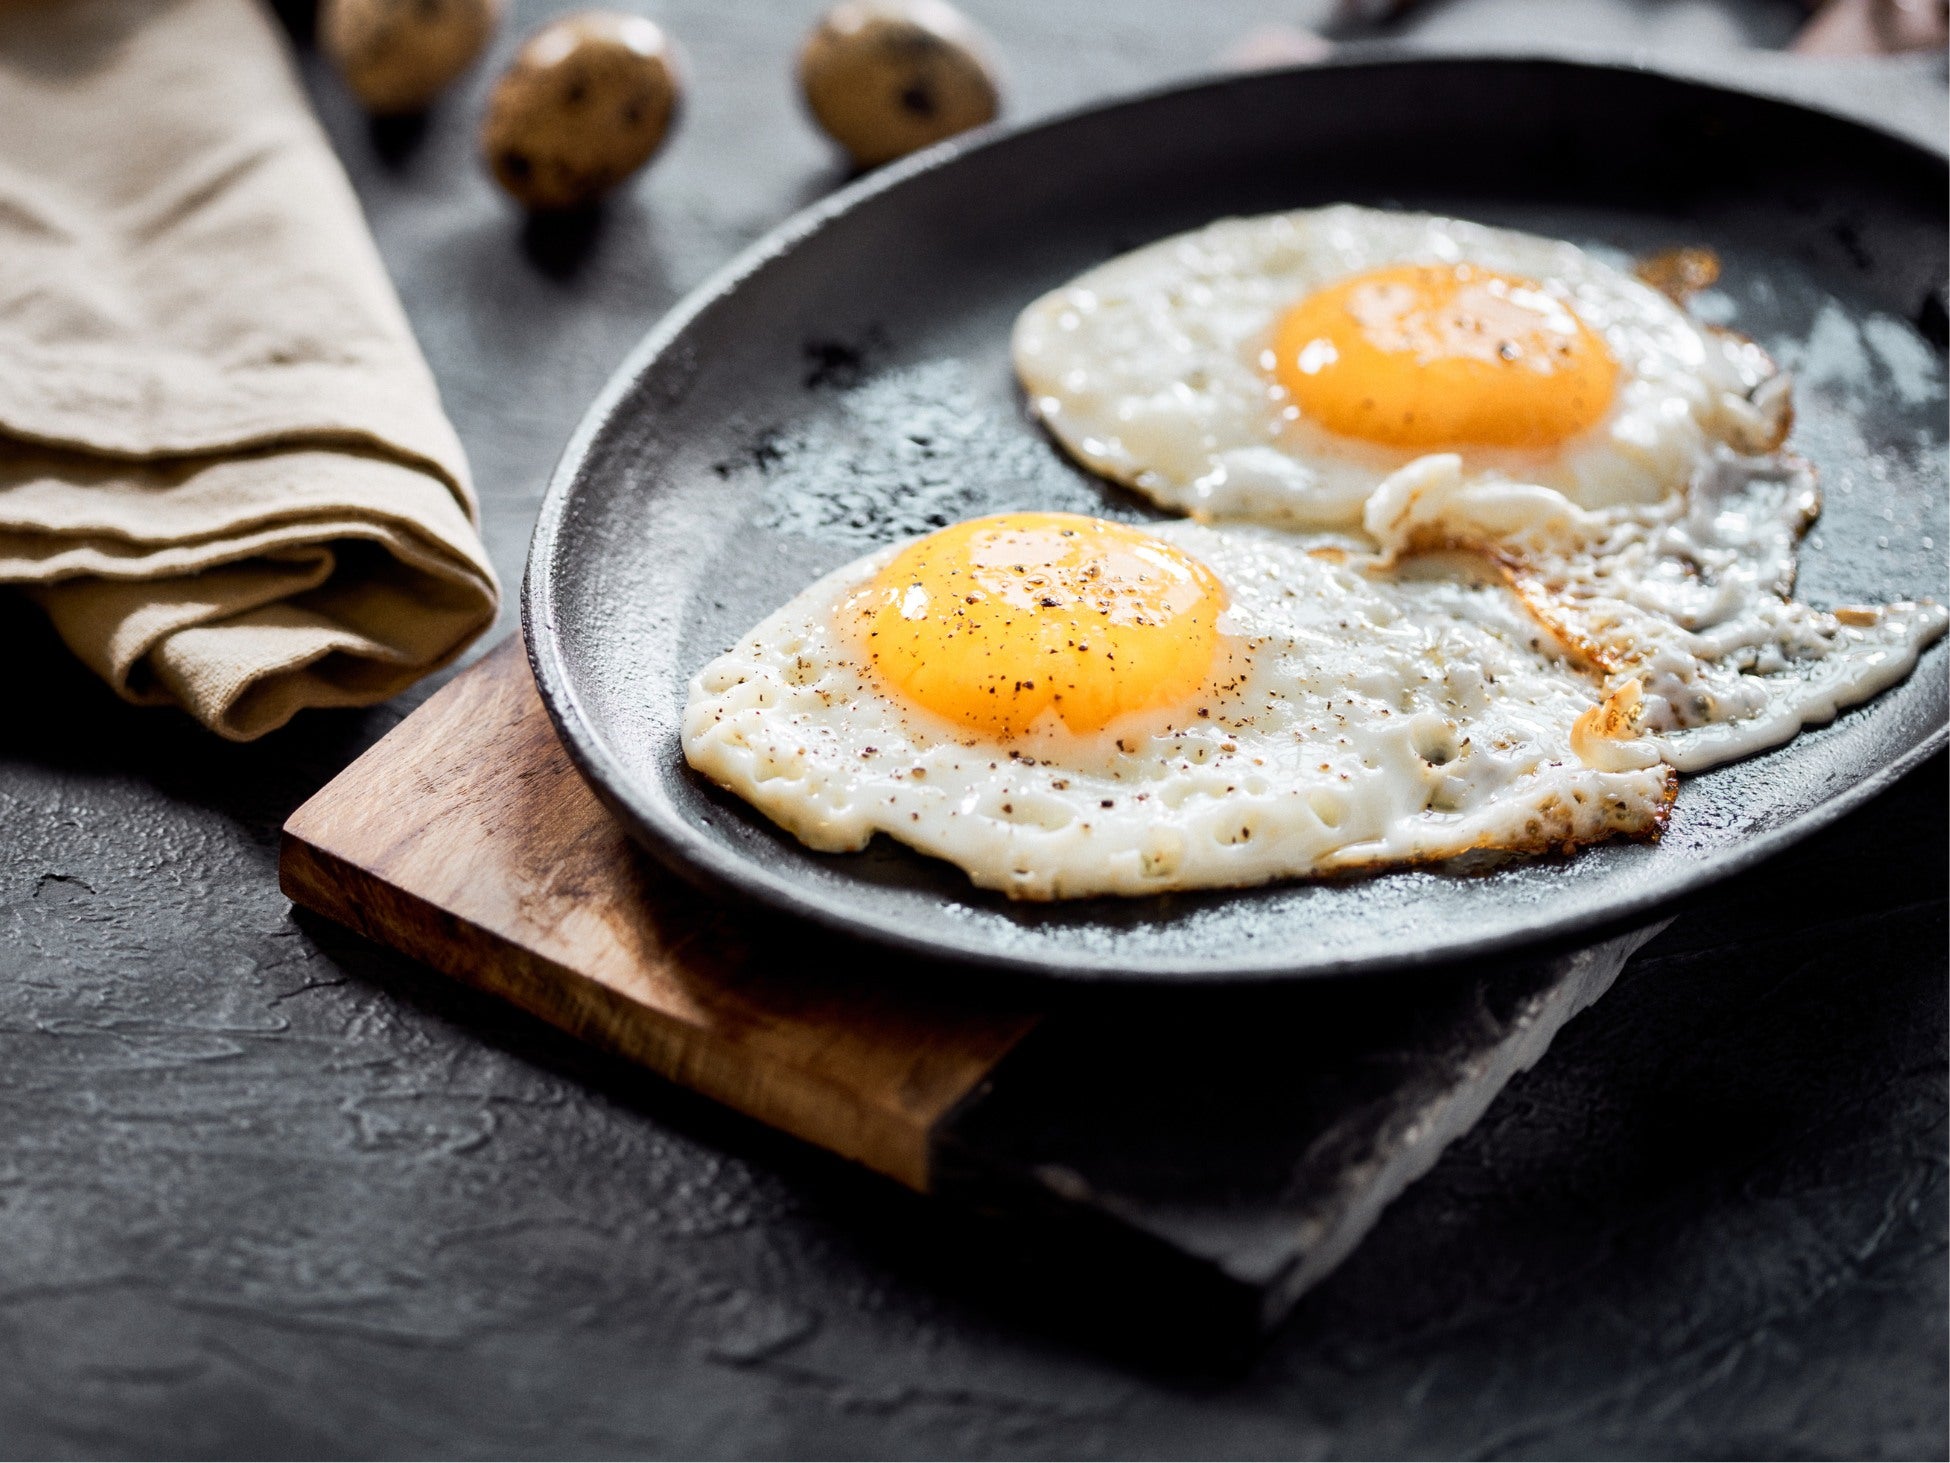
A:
399, 739
793, 1102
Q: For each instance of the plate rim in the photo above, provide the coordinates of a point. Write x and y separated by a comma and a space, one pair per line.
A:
707, 864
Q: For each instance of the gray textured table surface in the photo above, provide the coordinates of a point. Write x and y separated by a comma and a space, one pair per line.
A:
265, 1189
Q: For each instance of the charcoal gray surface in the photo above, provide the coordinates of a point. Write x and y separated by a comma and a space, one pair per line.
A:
1235, 1168
266, 1190
849, 385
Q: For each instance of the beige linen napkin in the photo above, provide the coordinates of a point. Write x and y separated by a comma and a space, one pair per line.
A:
224, 471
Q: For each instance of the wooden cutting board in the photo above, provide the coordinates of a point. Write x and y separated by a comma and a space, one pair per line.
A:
467, 839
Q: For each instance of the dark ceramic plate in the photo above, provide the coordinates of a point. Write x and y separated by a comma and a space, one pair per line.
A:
847, 382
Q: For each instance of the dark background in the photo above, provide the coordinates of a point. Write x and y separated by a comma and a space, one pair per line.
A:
266, 1189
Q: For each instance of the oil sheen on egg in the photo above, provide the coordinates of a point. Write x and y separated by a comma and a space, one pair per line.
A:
1683, 605
1279, 368
1063, 706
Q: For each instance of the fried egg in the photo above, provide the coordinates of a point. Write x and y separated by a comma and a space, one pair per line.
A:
1682, 606
1490, 542
1280, 368
1066, 706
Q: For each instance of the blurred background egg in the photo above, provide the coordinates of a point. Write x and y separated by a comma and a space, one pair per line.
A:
588, 100
398, 55
884, 78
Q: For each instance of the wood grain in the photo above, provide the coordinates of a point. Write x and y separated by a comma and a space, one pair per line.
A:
467, 839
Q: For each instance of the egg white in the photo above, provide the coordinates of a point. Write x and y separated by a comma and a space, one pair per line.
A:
1148, 369
1357, 719
1687, 600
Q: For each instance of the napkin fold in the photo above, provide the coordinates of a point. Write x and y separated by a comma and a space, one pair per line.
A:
224, 470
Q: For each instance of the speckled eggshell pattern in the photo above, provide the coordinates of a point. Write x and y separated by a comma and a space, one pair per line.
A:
884, 78
398, 55
589, 100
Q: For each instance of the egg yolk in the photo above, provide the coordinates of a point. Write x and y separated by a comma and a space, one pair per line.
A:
993, 622
1443, 355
